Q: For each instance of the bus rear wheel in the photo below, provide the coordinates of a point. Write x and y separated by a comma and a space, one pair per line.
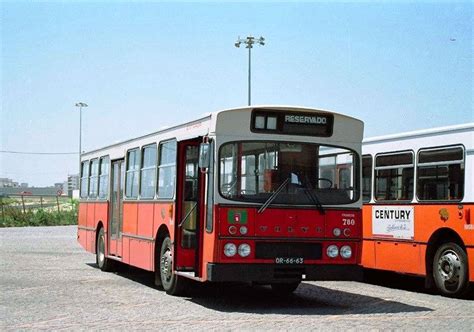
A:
285, 288
450, 270
100, 258
171, 283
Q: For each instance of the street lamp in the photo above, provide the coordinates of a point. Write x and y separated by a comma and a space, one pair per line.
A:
249, 41
80, 105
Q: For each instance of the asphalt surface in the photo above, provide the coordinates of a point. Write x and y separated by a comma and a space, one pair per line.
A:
48, 282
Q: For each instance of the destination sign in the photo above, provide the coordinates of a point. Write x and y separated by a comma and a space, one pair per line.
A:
292, 123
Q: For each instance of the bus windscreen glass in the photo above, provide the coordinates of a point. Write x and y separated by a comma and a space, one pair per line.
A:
253, 171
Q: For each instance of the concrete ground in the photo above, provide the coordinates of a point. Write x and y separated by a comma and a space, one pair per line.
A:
48, 282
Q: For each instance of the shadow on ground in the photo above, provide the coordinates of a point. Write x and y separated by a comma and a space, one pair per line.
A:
403, 282
396, 281
308, 299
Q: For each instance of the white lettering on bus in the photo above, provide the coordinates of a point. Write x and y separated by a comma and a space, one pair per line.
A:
305, 119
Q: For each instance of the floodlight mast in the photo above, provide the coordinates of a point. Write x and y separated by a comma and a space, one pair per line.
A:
249, 42
80, 105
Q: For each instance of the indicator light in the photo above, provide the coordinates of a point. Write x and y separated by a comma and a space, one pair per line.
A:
232, 229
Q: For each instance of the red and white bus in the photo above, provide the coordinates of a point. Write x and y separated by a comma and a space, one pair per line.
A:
418, 190
265, 194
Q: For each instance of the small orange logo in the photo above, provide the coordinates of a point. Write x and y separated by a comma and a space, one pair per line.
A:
444, 214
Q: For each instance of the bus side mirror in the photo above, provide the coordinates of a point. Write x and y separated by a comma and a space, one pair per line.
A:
204, 155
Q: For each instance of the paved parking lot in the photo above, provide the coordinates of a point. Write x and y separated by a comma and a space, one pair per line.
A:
49, 282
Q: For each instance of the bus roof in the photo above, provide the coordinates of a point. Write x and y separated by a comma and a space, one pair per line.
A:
208, 118
420, 133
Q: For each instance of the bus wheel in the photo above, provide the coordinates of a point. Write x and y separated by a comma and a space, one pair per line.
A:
285, 288
171, 283
450, 270
101, 260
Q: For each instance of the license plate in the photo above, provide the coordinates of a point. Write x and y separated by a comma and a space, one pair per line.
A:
289, 260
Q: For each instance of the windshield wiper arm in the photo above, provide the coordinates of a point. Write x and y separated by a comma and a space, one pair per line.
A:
313, 196
273, 196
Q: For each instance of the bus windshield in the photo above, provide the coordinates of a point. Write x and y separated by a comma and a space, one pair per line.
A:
300, 172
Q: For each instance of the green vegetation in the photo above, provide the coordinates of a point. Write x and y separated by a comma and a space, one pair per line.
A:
15, 213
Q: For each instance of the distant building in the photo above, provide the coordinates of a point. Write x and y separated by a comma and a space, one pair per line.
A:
8, 183
72, 183
23, 185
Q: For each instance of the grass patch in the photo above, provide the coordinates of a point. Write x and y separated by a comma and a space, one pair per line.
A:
12, 215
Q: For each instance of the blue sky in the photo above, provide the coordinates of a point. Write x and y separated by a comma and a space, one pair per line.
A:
142, 66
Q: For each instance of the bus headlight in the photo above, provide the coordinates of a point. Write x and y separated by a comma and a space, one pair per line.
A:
346, 252
244, 250
332, 251
243, 230
230, 249
336, 231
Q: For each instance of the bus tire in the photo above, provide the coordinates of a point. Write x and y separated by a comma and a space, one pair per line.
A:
285, 288
171, 283
100, 258
450, 270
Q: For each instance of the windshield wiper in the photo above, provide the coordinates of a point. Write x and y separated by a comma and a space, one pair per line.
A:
313, 196
273, 196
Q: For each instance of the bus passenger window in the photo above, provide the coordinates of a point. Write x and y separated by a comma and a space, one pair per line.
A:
366, 178
84, 179
394, 177
104, 177
131, 177
167, 169
148, 171
94, 178
440, 174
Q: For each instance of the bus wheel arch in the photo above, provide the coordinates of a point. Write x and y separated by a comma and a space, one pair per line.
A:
446, 263
97, 229
165, 278
102, 261
161, 235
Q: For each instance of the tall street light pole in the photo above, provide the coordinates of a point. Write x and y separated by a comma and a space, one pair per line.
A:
80, 105
249, 42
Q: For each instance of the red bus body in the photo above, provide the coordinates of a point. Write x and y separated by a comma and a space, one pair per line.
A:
281, 243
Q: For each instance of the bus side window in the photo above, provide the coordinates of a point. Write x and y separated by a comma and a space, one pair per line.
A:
394, 176
440, 174
93, 178
104, 177
132, 173
366, 178
148, 171
167, 170
85, 179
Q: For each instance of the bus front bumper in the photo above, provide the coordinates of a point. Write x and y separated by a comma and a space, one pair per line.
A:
268, 273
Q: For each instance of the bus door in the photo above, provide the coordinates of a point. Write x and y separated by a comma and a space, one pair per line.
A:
116, 209
190, 200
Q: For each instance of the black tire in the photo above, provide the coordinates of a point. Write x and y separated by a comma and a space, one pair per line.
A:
285, 288
100, 258
171, 283
450, 270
